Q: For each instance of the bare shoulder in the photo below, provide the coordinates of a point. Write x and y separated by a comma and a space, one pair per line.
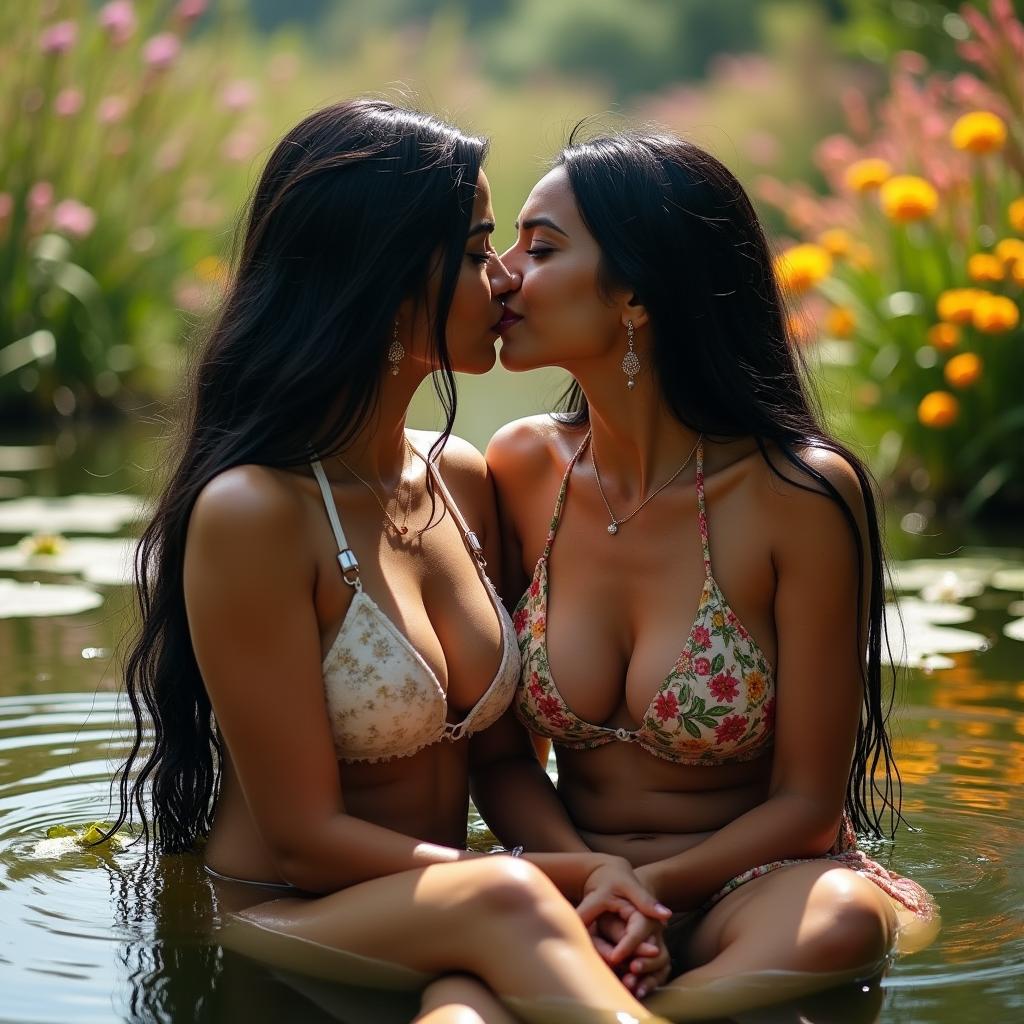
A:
803, 499
458, 458
245, 505
528, 447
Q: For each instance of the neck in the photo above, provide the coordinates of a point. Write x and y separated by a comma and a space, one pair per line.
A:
638, 440
377, 451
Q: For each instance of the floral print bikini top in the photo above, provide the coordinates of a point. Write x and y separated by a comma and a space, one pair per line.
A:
383, 699
717, 705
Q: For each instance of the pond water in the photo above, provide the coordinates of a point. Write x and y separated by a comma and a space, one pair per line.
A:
90, 936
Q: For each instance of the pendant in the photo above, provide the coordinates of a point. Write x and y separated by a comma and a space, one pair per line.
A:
613, 529
403, 530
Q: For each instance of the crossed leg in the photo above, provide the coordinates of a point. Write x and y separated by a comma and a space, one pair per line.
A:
461, 999
821, 923
496, 918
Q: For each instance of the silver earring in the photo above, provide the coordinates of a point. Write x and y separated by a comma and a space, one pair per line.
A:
630, 361
396, 351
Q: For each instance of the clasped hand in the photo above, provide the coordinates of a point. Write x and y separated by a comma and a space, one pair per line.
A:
627, 924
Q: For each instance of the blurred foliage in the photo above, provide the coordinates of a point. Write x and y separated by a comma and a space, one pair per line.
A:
911, 269
133, 132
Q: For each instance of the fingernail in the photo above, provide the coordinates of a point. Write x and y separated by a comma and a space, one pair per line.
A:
636, 966
662, 909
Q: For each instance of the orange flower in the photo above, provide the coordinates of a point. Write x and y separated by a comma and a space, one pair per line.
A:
799, 269
944, 336
840, 322
956, 306
1016, 214
995, 314
984, 267
1010, 250
963, 370
836, 242
979, 132
906, 198
865, 175
938, 409
861, 256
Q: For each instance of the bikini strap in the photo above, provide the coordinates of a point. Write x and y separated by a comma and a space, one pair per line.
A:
702, 514
472, 541
346, 556
560, 500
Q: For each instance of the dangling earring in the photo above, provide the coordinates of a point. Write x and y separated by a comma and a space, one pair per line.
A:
630, 361
396, 351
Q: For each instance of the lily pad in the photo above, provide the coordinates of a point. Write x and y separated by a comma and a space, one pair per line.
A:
929, 572
79, 513
37, 599
99, 559
1009, 579
21, 458
920, 631
1015, 629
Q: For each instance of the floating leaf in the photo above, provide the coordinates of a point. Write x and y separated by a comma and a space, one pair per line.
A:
101, 560
1009, 579
79, 513
1015, 629
925, 632
36, 599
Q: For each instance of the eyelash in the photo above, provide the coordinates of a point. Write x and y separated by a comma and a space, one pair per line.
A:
539, 253
481, 258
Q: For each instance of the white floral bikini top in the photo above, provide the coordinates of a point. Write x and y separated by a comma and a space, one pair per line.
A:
383, 699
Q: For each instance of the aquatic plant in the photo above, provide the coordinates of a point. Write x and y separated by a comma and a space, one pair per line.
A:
912, 269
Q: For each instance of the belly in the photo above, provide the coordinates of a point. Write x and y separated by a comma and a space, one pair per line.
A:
425, 796
620, 796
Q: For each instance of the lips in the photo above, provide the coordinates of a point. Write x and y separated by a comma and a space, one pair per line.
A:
508, 319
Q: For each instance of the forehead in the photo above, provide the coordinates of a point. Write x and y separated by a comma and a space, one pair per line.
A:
482, 201
553, 197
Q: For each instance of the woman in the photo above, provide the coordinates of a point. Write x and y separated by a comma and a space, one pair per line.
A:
319, 636
701, 599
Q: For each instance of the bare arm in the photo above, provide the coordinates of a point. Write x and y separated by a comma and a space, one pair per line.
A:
820, 686
249, 582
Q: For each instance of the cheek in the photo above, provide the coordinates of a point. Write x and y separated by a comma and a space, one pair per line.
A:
562, 304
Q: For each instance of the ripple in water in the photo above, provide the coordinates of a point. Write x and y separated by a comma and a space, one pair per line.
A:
95, 935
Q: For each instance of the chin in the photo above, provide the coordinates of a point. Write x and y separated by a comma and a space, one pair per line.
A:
478, 363
512, 359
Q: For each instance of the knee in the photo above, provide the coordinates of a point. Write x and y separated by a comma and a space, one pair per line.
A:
453, 999
511, 887
857, 929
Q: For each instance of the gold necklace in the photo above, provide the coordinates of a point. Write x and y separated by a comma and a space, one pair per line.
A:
613, 526
403, 529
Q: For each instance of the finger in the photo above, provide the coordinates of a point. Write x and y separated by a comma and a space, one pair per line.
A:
603, 948
636, 931
646, 948
647, 904
594, 904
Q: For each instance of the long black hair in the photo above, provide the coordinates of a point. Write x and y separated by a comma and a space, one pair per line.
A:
357, 207
676, 227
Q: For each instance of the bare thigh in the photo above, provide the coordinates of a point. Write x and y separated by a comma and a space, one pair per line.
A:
459, 999
813, 917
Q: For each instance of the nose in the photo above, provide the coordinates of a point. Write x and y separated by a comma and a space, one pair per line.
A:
503, 280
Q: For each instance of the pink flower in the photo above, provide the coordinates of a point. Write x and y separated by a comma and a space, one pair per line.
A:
161, 51
702, 667
240, 146
40, 196
59, 37
768, 711
189, 10
732, 728
6, 205
118, 18
534, 588
68, 102
666, 706
73, 218
702, 638
238, 95
724, 687
112, 109
519, 619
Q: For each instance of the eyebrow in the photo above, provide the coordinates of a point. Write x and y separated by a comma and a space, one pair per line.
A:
485, 227
541, 222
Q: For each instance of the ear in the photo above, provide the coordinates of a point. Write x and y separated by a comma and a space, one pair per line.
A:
633, 309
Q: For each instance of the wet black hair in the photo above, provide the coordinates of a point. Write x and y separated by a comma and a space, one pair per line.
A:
357, 207
676, 227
